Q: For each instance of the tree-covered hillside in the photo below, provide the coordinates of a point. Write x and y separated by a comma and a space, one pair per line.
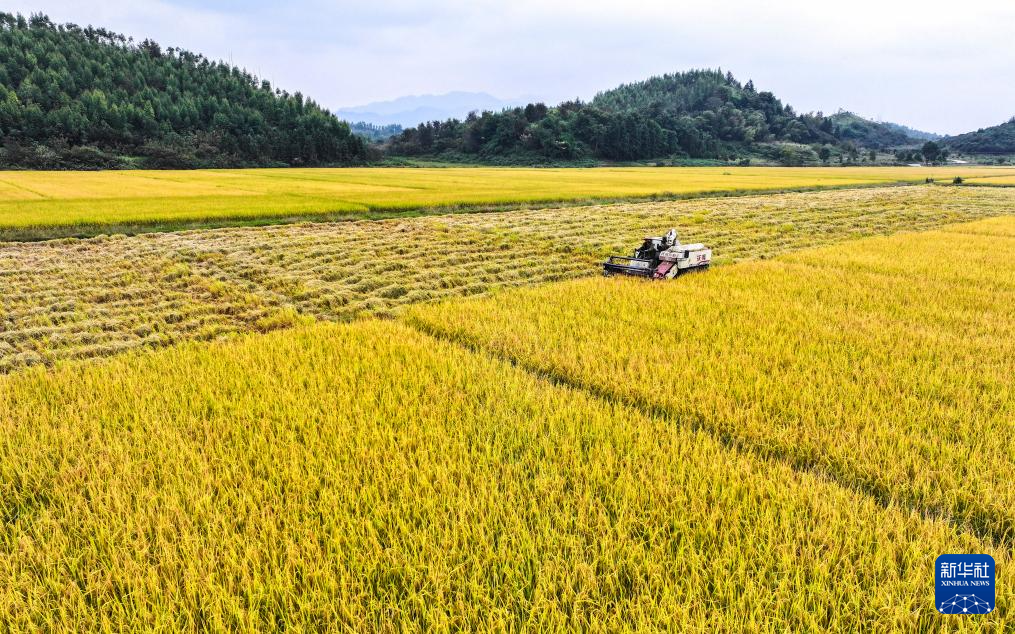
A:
999, 139
848, 126
697, 114
85, 97
707, 108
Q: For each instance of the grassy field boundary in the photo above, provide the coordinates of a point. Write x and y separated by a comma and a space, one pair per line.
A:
83, 231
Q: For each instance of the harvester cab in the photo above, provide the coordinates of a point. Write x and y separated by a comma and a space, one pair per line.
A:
660, 258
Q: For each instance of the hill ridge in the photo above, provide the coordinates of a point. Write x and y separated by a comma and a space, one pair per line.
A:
85, 97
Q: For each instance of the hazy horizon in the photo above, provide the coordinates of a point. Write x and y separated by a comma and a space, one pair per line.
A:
921, 64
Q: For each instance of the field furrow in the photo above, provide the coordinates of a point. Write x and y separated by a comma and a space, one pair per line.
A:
885, 363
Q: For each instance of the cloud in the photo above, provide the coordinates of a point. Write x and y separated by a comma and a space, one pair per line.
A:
925, 63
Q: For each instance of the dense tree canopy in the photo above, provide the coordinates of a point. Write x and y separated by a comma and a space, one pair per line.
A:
86, 97
872, 134
698, 114
373, 132
999, 139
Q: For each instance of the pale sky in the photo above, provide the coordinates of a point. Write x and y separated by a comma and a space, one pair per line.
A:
944, 67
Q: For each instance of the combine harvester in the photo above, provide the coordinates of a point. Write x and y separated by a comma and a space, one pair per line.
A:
661, 259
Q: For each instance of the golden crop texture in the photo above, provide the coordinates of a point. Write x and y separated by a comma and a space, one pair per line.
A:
365, 477
885, 364
749, 227
89, 298
31, 202
1000, 179
97, 297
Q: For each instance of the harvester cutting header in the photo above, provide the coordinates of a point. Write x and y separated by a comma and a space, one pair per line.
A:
661, 259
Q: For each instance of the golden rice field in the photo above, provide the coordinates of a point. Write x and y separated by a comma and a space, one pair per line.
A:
90, 298
339, 439
48, 204
750, 227
366, 477
1000, 179
884, 364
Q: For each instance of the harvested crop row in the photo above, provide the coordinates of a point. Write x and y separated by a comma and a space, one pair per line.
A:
98, 297
364, 477
83, 298
886, 363
341, 271
750, 227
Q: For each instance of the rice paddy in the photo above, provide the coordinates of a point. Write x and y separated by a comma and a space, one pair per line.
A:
91, 298
885, 363
454, 423
365, 477
36, 205
1000, 179
749, 227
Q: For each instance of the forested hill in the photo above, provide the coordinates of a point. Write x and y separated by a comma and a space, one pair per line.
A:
706, 108
999, 139
86, 97
695, 114
864, 132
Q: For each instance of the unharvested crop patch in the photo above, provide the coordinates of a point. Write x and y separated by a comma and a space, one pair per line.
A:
1002, 179
86, 298
365, 477
886, 363
38, 205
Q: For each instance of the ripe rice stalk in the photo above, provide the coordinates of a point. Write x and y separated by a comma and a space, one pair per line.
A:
365, 477
885, 364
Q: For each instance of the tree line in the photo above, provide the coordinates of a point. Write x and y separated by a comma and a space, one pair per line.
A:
999, 139
696, 114
85, 97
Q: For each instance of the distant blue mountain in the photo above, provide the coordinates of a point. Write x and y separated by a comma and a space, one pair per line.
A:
411, 111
